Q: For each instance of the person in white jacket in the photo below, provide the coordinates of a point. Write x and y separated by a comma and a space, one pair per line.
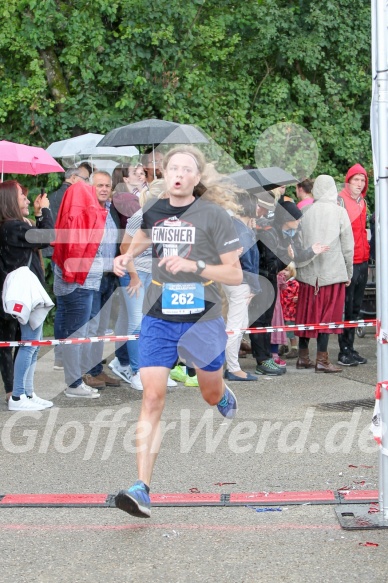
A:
19, 245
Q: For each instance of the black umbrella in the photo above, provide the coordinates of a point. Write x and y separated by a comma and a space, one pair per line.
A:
151, 132
255, 180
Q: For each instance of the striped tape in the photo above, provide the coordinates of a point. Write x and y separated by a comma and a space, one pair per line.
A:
259, 330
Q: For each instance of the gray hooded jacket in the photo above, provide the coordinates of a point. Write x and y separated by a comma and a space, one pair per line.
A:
329, 224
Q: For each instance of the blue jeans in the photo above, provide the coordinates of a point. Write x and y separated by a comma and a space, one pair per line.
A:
25, 362
75, 309
58, 330
121, 327
134, 307
99, 321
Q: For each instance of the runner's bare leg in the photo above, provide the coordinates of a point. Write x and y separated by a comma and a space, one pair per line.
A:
154, 380
211, 384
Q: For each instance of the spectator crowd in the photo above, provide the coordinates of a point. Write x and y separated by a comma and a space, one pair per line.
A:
303, 261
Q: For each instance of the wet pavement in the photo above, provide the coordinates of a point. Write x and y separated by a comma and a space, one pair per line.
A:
300, 432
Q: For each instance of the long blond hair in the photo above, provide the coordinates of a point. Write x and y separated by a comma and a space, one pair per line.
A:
277, 192
213, 186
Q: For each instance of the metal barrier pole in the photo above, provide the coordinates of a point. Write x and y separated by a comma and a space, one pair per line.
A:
381, 95
361, 517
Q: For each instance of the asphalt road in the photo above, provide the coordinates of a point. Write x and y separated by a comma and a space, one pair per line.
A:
300, 432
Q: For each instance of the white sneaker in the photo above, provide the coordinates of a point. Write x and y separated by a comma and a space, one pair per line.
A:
24, 404
82, 391
92, 389
113, 362
124, 372
136, 382
171, 382
35, 399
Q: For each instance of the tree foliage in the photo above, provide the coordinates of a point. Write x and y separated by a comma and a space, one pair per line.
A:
232, 68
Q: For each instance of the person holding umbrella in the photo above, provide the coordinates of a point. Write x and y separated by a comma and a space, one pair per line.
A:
194, 245
153, 165
19, 245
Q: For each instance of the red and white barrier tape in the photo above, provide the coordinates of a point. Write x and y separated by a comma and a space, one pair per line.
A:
377, 426
382, 336
68, 341
288, 328
300, 327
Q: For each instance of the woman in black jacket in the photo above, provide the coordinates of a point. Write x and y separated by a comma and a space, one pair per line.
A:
279, 241
19, 245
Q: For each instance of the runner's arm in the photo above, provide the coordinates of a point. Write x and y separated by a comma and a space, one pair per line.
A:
123, 263
228, 272
125, 243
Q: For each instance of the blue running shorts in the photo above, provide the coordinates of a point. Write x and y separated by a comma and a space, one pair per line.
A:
199, 344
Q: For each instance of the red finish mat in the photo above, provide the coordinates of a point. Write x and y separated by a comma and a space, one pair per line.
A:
192, 499
53, 500
269, 498
349, 496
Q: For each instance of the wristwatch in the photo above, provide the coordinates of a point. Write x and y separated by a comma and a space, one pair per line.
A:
200, 266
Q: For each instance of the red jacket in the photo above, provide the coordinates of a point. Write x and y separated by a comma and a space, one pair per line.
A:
356, 209
79, 230
287, 296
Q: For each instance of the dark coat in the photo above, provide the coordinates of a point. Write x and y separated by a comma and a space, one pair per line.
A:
19, 241
273, 248
55, 202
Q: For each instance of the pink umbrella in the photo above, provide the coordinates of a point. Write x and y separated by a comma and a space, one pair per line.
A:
22, 159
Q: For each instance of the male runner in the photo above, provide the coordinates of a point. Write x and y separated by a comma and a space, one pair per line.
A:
194, 244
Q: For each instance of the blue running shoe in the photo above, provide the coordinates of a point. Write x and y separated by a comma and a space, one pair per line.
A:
135, 500
228, 404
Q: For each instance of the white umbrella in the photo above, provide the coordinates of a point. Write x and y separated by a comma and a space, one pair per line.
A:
74, 146
108, 156
74, 150
110, 152
99, 164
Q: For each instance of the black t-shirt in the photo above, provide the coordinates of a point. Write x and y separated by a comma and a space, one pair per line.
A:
200, 230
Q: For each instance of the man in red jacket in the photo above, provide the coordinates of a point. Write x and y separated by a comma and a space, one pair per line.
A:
78, 272
352, 197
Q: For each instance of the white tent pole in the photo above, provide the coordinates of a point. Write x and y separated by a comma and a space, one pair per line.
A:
379, 126
375, 151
